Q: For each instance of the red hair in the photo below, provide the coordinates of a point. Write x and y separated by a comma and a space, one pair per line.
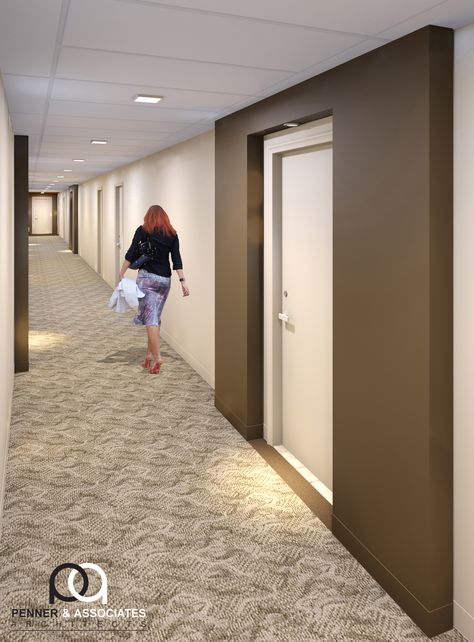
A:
157, 219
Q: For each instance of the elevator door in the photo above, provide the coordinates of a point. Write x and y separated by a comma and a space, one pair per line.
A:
307, 309
42, 215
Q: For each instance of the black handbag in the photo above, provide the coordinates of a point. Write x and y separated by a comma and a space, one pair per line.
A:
147, 252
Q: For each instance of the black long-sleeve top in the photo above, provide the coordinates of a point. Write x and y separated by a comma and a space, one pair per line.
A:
164, 246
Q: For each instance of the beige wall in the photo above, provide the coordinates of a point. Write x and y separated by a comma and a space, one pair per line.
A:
181, 179
464, 331
6, 283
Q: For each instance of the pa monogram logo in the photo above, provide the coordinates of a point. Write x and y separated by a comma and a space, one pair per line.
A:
76, 596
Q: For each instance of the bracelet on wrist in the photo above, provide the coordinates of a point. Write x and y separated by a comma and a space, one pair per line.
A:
182, 279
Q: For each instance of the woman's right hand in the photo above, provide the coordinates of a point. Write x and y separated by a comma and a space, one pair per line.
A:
185, 289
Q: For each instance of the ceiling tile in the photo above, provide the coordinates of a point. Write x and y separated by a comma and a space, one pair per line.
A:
124, 94
97, 132
26, 124
314, 70
190, 35
84, 64
362, 17
28, 36
109, 123
453, 14
143, 113
26, 94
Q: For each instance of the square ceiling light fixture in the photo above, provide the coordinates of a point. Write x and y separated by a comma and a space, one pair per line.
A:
79, 160
290, 124
67, 170
98, 141
151, 100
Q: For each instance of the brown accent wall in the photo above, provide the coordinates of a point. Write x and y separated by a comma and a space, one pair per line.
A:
392, 111
73, 218
21, 307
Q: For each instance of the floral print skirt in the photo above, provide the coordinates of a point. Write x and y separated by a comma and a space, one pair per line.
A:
156, 289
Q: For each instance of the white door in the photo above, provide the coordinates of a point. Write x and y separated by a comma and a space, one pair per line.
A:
118, 228
41, 215
306, 299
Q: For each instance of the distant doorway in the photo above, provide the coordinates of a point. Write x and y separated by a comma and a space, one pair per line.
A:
41, 215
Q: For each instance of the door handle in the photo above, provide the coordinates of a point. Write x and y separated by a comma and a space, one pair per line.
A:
283, 317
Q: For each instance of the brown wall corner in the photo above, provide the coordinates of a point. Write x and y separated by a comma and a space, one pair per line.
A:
21, 308
392, 110
247, 432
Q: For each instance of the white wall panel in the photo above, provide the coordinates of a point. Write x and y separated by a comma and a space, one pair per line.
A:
6, 284
464, 332
181, 179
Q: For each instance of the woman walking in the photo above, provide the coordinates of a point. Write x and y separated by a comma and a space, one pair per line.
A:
154, 278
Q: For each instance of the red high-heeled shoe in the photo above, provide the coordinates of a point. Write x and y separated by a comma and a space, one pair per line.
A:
147, 363
156, 368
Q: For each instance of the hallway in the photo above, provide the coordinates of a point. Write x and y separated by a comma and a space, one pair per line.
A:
143, 476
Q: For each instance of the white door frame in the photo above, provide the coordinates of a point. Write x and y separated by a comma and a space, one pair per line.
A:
100, 229
118, 228
275, 147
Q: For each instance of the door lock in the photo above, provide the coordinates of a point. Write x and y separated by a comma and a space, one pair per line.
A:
283, 317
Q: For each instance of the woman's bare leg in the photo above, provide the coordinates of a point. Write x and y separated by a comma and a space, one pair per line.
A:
153, 332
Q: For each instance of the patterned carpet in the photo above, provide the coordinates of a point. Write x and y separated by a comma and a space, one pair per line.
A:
141, 475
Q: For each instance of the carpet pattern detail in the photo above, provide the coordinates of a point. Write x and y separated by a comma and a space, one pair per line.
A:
141, 475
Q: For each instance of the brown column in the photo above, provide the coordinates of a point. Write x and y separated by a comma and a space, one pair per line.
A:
392, 111
21, 253
55, 215
73, 219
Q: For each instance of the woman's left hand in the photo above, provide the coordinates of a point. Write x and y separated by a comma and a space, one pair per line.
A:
185, 289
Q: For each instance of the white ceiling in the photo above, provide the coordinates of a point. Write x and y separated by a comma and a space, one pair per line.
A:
72, 67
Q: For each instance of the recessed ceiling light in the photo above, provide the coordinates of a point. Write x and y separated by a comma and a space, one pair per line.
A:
290, 124
79, 160
67, 170
55, 182
59, 176
97, 141
142, 98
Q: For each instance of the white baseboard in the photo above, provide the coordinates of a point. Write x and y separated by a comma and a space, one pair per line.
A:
194, 363
463, 622
307, 474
